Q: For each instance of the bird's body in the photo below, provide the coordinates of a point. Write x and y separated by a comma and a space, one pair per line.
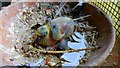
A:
62, 27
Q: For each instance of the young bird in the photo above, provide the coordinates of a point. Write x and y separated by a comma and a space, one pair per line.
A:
58, 29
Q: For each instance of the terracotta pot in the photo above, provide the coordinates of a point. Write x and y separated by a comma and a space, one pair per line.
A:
7, 18
98, 18
103, 22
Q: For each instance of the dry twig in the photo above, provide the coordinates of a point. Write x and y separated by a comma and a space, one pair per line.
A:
66, 51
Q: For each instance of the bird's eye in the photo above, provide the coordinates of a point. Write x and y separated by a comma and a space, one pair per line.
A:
54, 26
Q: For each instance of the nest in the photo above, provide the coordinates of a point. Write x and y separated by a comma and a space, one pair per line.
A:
32, 18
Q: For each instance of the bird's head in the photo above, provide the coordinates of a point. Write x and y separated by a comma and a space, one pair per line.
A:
43, 30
